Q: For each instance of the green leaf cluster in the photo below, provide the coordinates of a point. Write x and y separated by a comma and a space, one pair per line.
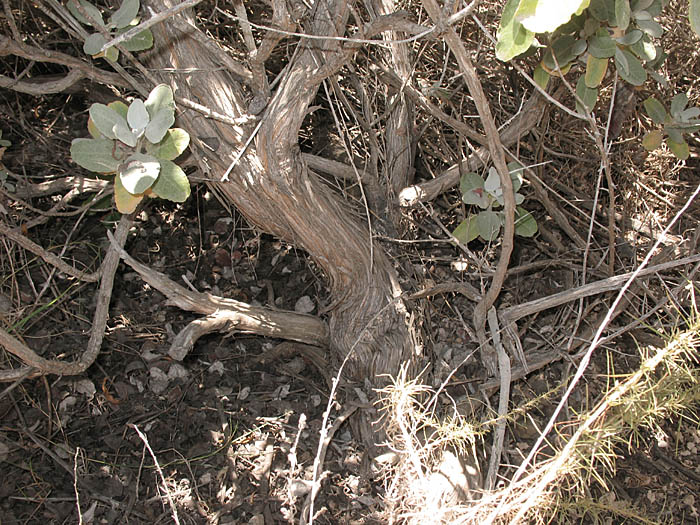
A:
675, 123
136, 143
119, 22
487, 195
594, 33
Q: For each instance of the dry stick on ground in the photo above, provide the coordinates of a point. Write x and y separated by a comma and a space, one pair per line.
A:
99, 321
227, 314
495, 148
539, 359
49, 257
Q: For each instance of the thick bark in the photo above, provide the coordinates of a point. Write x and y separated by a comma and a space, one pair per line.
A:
272, 187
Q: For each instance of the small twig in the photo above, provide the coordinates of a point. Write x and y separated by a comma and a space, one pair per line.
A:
504, 395
513, 313
173, 509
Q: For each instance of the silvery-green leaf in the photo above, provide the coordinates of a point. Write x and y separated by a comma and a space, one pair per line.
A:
650, 27
525, 223
655, 110
622, 13
689, 114
472, 188
602, 45
645, 49
161, 97
630, 37
172, 183
493, 181
679, 149
137, 116
139, 172
140, 41
159, 125
652, 140
105, 118
93, 44
90, 9
123, 16
678, 104
694, 16
173, 144
467, 231
630, 68
519, 198
125, 134
563, 50
587, 96
489, 224
125, 201
674, 134
119, 107
94, 154
642, 15
112, 54
640, 5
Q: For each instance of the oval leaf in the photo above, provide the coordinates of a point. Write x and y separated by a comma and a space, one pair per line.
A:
160, 98
622, 13
125, 201
137, 116
655, 110
541, 77
679, 149
602, 45
172, 184
595, 71
93, 44
173, 144
123, 16
525, 223
587, 96
105, 118
124, 134
512, 39
652, 140
489, 224
140, 41
678, 104
630, 68
89, 9
94, 154
472, 188
159, 125
467, 230
139, 172
694, 15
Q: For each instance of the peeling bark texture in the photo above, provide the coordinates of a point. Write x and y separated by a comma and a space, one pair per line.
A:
273, 188
400, 149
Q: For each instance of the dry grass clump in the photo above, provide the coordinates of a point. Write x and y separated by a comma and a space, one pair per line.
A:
424, 486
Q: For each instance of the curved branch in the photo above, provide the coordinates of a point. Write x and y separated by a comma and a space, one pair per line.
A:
12, 47
42, 86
